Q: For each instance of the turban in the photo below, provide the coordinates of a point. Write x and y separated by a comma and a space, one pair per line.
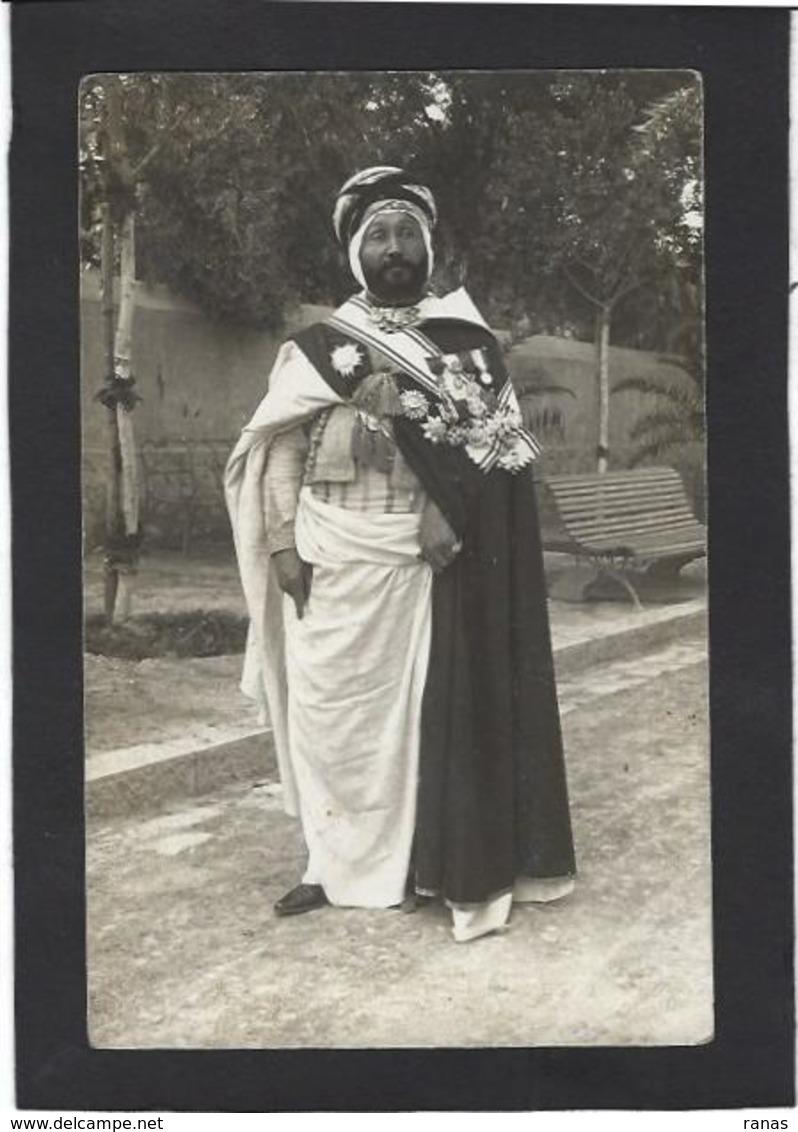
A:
381, 188
371, 186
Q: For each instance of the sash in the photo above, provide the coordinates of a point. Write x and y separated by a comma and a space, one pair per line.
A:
406, 349
409, 349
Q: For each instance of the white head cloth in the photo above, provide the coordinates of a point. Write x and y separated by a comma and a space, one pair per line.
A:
378, 209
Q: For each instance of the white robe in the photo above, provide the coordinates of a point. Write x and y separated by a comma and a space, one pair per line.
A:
356, 666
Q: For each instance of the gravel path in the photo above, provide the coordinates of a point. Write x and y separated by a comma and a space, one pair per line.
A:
184, 950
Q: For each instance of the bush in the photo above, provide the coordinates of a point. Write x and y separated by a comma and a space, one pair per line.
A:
150, 635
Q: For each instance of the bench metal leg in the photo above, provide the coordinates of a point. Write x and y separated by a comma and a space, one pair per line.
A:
627, 585
617, 575
583, 582
573, 582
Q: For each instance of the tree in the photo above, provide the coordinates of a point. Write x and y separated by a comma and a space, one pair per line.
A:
234, 211
610, 193
671, 135
110, 172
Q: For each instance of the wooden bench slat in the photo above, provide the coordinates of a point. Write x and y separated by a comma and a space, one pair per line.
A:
639, 547
619, 491
632, 543
616, 491
638, 523
628, 475
642, 552
635, 474
640, 487
584, 482
642, 542
627, 512
618, 498
641, 523
684, 530
625, 507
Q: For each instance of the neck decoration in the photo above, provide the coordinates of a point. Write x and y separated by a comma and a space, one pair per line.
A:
391, 319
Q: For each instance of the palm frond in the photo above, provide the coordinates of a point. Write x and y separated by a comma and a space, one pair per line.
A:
662, 419
657, 446
657, 387
542, 390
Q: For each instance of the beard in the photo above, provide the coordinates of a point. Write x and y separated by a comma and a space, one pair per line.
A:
397, 282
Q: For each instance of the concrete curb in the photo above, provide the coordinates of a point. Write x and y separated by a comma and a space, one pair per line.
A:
152, 783
126, 782
688, 620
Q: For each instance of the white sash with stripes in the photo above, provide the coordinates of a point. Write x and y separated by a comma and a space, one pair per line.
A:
409, 349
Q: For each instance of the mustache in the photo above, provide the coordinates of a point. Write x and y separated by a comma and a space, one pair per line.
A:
408, 265
383, 282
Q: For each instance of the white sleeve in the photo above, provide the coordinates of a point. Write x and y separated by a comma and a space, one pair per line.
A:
285, 468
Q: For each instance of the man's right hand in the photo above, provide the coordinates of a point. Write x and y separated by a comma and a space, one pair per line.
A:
294, 577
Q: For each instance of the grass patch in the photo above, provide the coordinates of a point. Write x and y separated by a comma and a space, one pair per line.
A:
195, 633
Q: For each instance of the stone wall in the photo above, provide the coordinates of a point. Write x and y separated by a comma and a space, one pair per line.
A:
200, 380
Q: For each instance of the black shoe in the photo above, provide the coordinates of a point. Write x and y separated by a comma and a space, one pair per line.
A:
415, 900
303, 898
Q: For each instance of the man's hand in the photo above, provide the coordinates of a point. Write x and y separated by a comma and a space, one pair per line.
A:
294, 577
439, 543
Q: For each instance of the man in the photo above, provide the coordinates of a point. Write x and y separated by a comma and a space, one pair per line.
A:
383, 508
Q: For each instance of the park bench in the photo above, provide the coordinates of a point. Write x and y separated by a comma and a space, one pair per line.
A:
621, 519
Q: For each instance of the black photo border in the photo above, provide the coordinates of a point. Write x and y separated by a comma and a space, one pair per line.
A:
742, 54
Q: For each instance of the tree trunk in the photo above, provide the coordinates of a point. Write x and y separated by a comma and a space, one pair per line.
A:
113, 516
603, 320
129, 487
121, 555
122, 367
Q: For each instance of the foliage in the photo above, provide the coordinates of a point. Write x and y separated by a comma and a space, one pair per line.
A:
675, 428
195, 633
680, 421
605, 197
550, 184
531, 379
671, 133
238, 177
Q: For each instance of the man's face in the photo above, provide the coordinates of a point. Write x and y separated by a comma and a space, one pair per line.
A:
394, 258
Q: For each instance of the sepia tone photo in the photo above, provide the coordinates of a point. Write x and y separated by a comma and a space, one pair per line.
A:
394, 517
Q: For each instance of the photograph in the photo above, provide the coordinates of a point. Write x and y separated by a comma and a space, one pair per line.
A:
394, 538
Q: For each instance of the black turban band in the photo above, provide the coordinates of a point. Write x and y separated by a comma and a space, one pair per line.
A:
393, 186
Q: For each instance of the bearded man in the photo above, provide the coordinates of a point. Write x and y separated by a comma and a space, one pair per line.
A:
383, 507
